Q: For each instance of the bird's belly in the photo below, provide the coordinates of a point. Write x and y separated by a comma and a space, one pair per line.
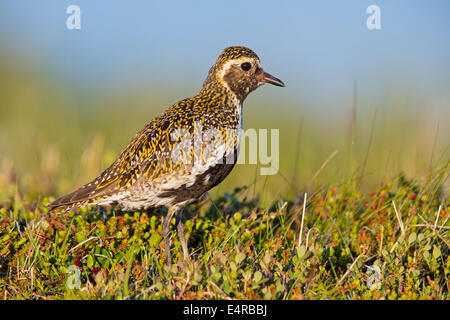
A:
170, 192
180, 187
197, 185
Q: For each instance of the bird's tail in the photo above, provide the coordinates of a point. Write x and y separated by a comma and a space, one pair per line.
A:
76, 199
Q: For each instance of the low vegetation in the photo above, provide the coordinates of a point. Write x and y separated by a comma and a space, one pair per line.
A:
392, 243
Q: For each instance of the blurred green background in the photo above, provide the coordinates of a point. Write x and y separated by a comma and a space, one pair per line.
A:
358, 103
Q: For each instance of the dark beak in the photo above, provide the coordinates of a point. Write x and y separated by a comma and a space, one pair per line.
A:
267, 78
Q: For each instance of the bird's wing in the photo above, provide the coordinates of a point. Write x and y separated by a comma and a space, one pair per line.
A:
148, 152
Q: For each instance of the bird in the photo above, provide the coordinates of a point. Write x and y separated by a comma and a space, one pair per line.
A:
182, 153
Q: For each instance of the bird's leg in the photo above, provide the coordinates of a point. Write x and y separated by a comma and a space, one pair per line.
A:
165, 230
180, 229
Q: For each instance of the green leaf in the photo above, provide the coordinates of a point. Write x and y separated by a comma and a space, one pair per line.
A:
90, 261
153, 222
227, 288
436, 252
155, 239
217, 276
80, 237
420, 237
279, 287
301, 251
240, 257
257, 276
412, 238
267, 259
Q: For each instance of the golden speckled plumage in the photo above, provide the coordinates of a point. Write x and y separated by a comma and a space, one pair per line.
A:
147, 175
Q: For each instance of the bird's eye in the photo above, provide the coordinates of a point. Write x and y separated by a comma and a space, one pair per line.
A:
246, 66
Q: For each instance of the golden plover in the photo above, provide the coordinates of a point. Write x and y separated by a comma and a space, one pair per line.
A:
184, 152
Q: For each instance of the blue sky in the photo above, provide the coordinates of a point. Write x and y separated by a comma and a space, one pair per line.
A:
317, 47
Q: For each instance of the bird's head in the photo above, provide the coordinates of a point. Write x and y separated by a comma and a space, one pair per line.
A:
239, 70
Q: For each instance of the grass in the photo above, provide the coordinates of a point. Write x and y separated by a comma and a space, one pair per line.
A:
392, 243
375, 224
